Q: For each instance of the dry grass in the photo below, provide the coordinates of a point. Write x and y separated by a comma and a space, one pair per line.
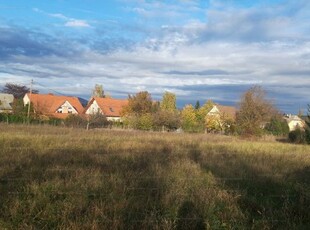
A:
56, 178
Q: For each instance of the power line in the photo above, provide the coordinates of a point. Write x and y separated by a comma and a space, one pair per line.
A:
37, 83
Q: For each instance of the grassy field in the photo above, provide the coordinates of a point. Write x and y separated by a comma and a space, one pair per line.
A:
60, 178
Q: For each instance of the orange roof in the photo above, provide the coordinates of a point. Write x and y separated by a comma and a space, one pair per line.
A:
109, 106
48, 104
228, 111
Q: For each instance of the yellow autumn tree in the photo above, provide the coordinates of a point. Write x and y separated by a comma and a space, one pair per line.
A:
189, 120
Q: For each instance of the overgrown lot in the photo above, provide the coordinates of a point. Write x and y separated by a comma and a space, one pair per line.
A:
53, 177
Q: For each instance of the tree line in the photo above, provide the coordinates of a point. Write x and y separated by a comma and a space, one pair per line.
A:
256, 115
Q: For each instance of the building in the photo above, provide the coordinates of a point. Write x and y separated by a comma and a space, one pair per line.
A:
6, 101
294, 122
109, 107
50, 105
227, 112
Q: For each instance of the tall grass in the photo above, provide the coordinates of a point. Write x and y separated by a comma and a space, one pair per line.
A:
56, 178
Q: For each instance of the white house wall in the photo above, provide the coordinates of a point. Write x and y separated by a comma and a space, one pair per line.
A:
26, 99
67, 105
114, 119
293, 125
93, 108
214, 111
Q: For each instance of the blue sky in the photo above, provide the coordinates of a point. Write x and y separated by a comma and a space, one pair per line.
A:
200, 50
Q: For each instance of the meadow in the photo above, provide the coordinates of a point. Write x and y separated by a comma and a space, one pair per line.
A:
65, 178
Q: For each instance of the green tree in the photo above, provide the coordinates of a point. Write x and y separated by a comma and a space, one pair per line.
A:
255, 110
202, 112
297, 136
138, 113
168, 102
277, 126
145, 121
189, 122
167, 115
197, 105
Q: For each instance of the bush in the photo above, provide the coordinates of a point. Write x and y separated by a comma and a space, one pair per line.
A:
146, 122
75, 121
97, 121
170, 120
277, 127
297, 136
13, 118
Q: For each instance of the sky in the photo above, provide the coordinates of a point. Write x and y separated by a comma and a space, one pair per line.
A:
199, 50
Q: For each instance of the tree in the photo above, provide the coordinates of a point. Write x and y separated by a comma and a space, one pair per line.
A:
255, 110
98, 91
138, 104
138, 113
169, 102
202, 112
17, 90
166, 116
277, 126
145, 122
213, 123
166, 120
189, 121
197, 105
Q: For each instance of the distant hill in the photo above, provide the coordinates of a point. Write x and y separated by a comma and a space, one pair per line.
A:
83, 101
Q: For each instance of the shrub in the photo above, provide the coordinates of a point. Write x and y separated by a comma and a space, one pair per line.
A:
75, 121
145, 122
168, 119
97, 121
297, 136
12, 118
277, 127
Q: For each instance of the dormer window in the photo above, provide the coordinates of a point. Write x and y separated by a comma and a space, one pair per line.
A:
111, 109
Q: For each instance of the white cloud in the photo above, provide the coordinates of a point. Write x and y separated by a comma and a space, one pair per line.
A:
77, 23
69, 22
248, 46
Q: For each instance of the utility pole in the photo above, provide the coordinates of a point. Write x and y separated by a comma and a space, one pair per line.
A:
30, 93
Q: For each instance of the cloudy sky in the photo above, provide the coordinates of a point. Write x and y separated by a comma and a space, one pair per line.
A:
199, 50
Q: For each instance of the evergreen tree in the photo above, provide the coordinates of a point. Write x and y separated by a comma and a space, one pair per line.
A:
202, 112
197, 105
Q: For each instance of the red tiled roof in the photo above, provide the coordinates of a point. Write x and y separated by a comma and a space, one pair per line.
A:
109, 106
47, 104
228, 111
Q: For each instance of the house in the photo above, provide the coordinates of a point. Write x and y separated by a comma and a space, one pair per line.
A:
51, 105
6, 101
227, 112
109, 107
219, 118
294, 122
